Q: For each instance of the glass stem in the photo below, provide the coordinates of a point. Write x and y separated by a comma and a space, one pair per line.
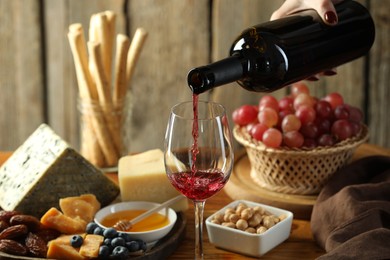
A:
199, 208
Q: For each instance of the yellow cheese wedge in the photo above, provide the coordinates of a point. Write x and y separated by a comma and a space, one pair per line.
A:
142, 177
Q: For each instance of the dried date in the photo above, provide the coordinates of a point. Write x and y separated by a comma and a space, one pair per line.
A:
12, 247
47, 234
3, 225
14, 232
6, 215
36, 245
31, 222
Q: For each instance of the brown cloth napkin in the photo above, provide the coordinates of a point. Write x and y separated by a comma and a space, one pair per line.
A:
351, 217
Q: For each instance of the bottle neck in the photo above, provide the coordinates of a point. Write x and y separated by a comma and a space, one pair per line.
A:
215, 74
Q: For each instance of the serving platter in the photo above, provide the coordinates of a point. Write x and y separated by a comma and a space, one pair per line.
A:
242, 187
161, 250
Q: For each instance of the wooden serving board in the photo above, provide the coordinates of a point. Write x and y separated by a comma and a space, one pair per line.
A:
161, 250
241, 186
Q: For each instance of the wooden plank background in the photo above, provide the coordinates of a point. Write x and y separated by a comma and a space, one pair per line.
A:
37, 77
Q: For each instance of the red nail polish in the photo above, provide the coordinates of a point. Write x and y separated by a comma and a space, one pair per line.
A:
329, 72
331, 17
312, 78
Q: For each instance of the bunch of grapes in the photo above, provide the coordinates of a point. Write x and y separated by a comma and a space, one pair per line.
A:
300, 120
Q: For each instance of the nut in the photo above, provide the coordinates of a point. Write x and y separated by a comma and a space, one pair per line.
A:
12, 247
31, 222
14, 232
36, 245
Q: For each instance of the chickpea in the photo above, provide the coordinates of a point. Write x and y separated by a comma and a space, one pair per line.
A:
242, 224
240, 208
282, 217
250, 230
261, 230
218, 217
259, 210
247, 213
229, 224
230, 211
234, 218
268, 222
226, 217
215, 221
255, 220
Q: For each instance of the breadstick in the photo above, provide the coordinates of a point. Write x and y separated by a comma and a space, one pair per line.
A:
104, 93
136, 46
88, 91
120, 86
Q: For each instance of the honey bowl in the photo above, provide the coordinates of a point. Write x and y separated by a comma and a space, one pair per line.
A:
150, 229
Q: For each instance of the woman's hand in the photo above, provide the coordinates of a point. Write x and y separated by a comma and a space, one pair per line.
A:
325, 9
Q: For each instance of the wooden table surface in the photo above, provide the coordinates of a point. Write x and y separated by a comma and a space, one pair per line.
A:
300, 244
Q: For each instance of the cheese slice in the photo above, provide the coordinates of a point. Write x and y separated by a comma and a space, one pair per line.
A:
142, 177
43, 170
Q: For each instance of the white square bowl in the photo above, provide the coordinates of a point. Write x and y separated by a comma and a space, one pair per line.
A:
246, 243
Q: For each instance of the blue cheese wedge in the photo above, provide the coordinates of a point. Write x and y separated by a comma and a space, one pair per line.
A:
43, 170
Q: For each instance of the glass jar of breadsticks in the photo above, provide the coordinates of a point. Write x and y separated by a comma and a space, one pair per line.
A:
104, 131
104, 73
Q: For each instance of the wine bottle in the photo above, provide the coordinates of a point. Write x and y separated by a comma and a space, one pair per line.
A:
277, 53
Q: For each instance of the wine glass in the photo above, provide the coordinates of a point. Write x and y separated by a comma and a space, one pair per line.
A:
198, 155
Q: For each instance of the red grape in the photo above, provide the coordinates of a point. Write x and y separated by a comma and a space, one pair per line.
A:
341, 129
268, 117
298, 88
272, 137
309, 143
355, 114
305, 114
293, 139
290, 123
269, 101
334, 99
323, 125
326, 140
257, 131
303, 99
323, 109
244, 115
341, 112
309, 130
286, 103
356, 128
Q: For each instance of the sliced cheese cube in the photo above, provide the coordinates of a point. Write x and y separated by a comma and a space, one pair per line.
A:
142, 177
43, 170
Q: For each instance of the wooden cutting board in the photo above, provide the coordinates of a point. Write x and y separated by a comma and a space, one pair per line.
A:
241, 186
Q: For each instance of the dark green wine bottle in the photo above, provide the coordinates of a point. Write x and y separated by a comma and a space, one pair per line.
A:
274, 54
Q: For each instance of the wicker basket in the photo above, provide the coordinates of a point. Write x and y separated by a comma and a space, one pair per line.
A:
296, 171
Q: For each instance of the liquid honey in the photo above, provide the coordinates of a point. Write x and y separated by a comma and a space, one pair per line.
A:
152, 222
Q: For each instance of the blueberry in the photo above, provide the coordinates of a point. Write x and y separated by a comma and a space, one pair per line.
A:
120, 252
132, 246
98, 231
76, 240
107, 242
125, 236
110, 233
104, 252
142, 244
118, 241
91, 227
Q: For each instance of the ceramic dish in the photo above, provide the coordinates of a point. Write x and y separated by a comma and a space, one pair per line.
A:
147, 236
245, 243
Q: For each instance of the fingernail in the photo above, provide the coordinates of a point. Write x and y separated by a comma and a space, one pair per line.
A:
331, 17
312, 78
329, 72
